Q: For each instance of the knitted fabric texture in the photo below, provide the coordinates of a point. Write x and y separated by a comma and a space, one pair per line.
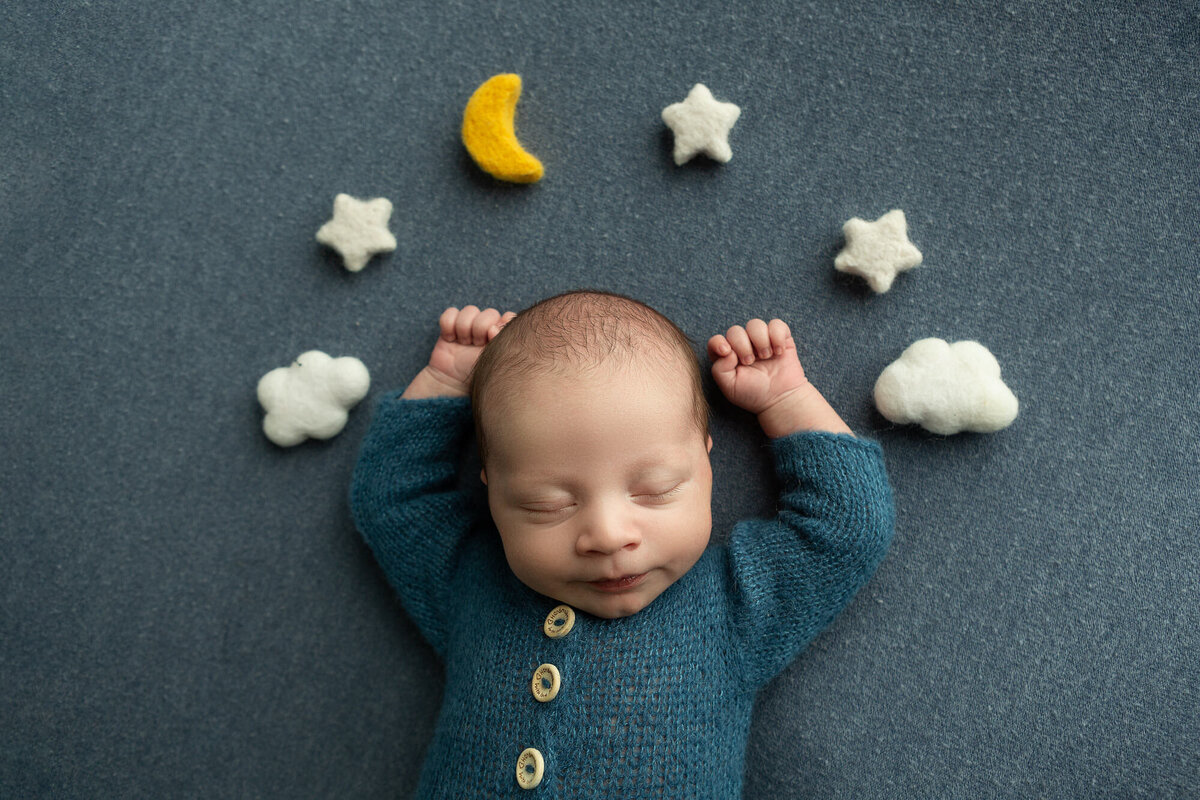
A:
651, 705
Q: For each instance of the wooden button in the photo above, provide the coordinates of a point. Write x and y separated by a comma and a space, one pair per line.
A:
530, 768
546, 683
559, 622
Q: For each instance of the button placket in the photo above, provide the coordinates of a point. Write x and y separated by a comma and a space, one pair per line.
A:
546, 684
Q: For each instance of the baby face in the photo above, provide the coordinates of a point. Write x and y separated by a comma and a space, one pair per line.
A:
600, 486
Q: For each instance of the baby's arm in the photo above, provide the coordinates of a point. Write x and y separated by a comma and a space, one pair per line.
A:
757, 368
798, 570
463, 335
405, 497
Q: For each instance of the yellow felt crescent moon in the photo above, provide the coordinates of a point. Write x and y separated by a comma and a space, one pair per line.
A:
489, 133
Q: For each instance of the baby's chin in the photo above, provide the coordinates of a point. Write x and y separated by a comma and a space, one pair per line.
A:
608, 611
608, 605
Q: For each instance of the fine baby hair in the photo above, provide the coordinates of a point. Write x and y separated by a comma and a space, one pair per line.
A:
574, 332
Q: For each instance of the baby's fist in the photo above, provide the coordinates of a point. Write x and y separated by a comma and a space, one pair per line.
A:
462, 335
757, 365
470, 326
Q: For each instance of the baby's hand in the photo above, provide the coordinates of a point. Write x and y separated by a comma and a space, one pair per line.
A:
756, 366
463, 335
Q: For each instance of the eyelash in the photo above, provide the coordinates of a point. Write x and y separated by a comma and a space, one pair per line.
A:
542, 512
666, 494
661, 496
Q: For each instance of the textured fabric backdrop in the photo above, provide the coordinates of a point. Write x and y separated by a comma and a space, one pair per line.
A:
186, 609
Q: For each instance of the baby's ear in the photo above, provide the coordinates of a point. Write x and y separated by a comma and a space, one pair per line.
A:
709, 447
483, 472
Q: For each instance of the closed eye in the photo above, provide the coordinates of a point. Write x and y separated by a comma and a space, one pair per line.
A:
663, 497
544, 510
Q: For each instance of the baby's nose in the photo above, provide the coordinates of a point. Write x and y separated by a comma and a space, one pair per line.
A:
606, 530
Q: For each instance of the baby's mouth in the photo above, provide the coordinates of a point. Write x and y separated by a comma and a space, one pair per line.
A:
619, 584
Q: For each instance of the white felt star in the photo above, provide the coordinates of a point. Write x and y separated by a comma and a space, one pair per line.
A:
358, 230
701, 125
877, 250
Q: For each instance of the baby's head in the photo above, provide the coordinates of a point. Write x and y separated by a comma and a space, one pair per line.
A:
593, 432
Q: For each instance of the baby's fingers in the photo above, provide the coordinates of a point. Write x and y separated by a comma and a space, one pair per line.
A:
504, 320
462, 325
484, 321
760, 338
718, 349
470, 326
446, 323
739, 340
781, 336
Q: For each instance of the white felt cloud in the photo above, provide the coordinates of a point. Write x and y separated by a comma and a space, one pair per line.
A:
946, 388
701, 124
358, 230
877, 251
310, 398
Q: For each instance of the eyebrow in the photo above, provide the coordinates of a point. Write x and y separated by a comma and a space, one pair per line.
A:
641, 470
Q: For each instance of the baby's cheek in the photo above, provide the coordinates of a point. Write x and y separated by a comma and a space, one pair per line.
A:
533, 563
691, 534
702, 514
514, 553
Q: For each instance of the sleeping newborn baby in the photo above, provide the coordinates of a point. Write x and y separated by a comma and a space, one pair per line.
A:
596, 643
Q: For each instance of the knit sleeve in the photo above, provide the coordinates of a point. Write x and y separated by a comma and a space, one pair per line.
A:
405, 503
793, 574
